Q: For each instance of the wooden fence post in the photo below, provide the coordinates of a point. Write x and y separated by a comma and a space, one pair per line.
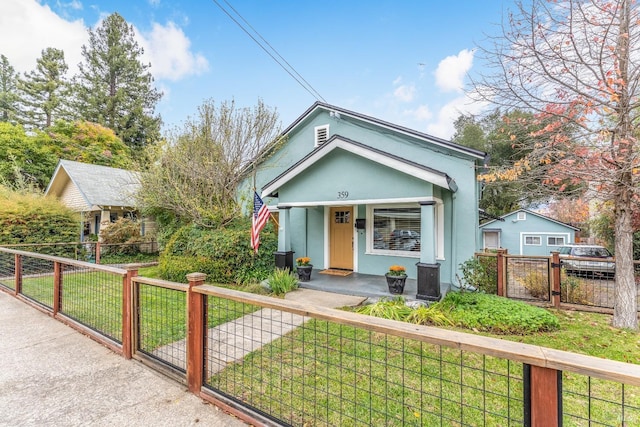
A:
97, 252
57, 287
195, 332
17, 273
555, 278
501, 271
543, 396
127, 311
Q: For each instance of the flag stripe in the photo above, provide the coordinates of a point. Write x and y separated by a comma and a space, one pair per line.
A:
259, 219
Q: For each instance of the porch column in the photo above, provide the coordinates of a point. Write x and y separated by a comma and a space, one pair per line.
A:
428, 268
105, 219
427, 232
284, 255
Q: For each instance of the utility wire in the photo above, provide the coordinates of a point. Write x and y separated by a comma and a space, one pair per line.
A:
288, 68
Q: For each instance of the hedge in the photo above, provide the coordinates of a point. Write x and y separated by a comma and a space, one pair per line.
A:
33, 218
224, 254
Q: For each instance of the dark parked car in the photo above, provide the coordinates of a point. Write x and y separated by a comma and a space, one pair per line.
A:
587, 260
404, 240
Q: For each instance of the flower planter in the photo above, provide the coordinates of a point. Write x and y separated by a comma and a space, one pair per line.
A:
396, 283
304, 272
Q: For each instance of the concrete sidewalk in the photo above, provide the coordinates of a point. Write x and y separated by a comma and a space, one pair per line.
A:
51, 375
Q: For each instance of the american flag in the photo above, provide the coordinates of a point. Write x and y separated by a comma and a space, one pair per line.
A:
258, 221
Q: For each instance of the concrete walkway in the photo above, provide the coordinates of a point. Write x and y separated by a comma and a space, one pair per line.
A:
51, 375
231, 341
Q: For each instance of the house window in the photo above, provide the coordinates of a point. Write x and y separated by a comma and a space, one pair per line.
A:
555, 241
532, 240
522, 216
321, 134
396, 230
113, 217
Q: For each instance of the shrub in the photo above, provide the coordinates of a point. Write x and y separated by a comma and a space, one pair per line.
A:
480, 273
537, 283
574, 291
496, 314
282, 281
394, 309
224, 254
31, 218
123, 234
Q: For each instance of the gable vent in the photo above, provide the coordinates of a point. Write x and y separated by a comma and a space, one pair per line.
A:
322, 134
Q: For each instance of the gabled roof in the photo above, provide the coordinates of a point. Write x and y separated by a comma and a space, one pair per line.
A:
502, 218
98, 185
338, 142
339, 112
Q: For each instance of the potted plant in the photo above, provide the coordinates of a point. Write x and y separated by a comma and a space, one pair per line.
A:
303, 268
396, 278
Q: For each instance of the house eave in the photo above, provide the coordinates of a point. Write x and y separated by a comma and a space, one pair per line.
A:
338, 142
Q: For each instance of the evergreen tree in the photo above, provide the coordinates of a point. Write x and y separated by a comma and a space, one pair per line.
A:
8, 91
44, 90
115, 88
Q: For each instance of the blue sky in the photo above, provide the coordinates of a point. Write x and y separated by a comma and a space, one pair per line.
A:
401, 61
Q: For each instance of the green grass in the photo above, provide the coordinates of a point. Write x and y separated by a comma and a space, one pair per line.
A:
330, 374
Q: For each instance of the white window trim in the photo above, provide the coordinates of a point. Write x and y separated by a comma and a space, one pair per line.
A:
556, 237
317, 129
438, 224
524, 240
522, 216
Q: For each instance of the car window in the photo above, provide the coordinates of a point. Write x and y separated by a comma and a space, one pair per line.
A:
565, 250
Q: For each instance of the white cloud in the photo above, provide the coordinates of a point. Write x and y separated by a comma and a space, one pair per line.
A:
443, 126
27, 28
73, 4
422, 113
168, 50
405, 93
452, 70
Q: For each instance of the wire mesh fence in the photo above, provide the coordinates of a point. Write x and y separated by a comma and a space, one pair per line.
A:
588, 401
162, 324
93, 298
38, 280
528, 278
304, 371
7, 270
579, 286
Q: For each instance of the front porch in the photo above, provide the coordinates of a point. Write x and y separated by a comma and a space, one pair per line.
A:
366, 285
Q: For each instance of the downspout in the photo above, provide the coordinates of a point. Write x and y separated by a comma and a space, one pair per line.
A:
454, 242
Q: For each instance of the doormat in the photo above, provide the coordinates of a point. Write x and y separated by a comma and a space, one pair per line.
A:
336, 272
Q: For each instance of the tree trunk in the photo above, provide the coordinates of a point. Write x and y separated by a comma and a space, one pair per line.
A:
625, 312
625, 307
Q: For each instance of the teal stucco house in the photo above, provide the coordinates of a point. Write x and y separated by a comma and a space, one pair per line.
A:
524, 232
357, 193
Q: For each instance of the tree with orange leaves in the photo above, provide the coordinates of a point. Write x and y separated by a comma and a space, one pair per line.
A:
575, 65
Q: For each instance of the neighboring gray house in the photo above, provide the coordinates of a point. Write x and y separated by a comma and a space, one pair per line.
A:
101, 194
360, 194
524, 232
